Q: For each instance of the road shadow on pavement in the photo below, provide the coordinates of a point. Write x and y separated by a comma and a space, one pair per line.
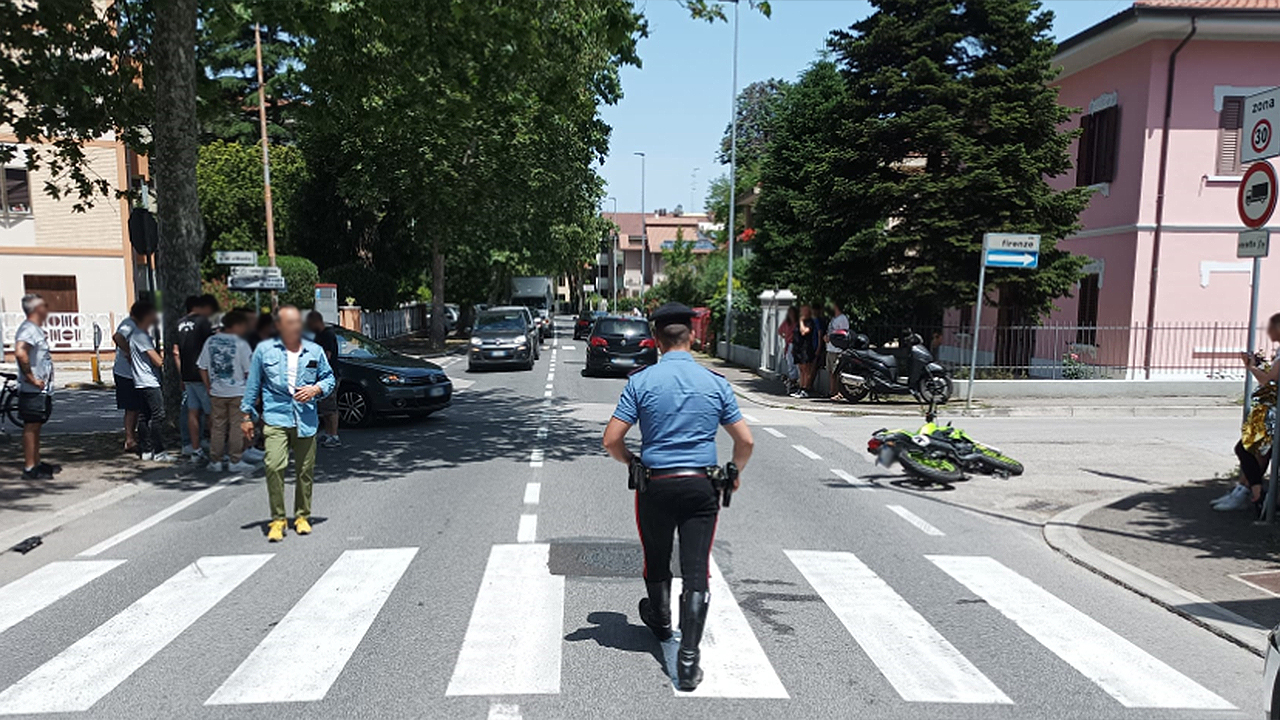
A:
613, 630
481, 426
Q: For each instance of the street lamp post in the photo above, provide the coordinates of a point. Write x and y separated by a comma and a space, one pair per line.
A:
733, 178
644, 232
613, 259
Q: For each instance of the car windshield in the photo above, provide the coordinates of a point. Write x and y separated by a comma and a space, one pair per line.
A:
511, 321
622, 327
352, 344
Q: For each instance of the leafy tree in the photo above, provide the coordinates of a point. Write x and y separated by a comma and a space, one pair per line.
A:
229, 182
757, 106
939, 125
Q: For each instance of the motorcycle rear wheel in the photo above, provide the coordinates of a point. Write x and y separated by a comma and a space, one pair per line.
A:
936, 388
997, 461
930, 469
853, 395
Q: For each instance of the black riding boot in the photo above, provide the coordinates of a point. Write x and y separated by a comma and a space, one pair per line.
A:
693, 616
655, 610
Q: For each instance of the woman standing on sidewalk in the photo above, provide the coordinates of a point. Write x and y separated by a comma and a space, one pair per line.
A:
1254, 447
787, 368
804, 350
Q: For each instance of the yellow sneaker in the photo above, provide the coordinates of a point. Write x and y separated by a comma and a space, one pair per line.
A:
275, 531
301, 526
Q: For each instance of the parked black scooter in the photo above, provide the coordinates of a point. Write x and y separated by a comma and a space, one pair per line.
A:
861, 371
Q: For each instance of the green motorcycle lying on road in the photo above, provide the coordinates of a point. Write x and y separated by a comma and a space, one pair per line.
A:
937, 454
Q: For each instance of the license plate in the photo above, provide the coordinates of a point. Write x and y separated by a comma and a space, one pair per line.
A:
436, 391
624, 361
499, 353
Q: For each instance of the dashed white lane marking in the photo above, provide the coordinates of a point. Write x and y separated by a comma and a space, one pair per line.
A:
536, 458
546, 394
749, 418
773, 432
532, 493
86, 671
41, 588
514, 638
550, 385
736, 665
528, 530
854, 481
542, 433
807, 452
551, 376
1126, 672
156, 519
916, 520
503, 711
329, 622
920, 664
566, 347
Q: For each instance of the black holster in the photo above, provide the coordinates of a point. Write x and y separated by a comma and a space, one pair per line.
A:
637, 475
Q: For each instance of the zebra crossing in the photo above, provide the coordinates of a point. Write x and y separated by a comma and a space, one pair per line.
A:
513, 641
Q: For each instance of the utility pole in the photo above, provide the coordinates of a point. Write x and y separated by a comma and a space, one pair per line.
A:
644, 232
266, 158
733, 177
693, 189
613, 259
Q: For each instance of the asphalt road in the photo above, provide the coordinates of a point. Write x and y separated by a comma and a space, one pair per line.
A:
484, 563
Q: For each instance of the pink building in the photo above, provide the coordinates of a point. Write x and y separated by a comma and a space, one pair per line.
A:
1172, 71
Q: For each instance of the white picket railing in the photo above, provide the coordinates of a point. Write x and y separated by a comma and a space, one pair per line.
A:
66, 331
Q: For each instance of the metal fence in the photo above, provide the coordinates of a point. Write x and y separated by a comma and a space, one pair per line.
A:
406, 320
1165, 350
66, 331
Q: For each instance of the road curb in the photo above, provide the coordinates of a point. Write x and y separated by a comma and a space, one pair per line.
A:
1062, 533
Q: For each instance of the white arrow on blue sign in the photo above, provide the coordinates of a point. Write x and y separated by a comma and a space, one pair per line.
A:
1005, 258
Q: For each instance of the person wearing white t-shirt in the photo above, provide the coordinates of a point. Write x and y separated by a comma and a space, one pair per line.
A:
224, 368
839, 323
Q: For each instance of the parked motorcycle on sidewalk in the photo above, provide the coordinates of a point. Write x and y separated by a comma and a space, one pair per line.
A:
937, 454
861, 371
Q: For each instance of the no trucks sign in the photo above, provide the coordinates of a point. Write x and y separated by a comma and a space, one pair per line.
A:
1256, 199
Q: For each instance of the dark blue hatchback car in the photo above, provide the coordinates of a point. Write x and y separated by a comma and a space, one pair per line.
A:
375, 380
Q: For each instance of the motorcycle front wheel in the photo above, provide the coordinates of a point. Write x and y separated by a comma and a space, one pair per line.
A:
853, 394
935, 388
997, 461
930, 469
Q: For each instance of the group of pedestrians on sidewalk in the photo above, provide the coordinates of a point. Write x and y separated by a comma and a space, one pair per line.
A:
806, 336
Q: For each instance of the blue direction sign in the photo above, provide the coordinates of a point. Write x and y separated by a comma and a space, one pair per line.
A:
1012, 258
1010, 250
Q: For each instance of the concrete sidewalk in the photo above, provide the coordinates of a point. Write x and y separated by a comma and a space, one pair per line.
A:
771, 392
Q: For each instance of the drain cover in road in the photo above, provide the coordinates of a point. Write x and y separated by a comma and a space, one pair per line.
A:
596, 559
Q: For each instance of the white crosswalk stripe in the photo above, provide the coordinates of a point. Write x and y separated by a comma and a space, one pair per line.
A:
306, 652
39, 589
914, 657
82, 674
513, 640
734, 662
1126, 672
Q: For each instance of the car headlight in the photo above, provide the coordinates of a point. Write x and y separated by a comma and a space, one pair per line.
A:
518, 340
475, 342
393, 379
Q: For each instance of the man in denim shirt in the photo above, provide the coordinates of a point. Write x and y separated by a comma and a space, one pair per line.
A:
289, 374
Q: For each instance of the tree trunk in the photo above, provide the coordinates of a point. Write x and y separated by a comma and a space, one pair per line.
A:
437, 295
173, 164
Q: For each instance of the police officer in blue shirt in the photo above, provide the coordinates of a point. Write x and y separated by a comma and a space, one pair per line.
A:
680, 405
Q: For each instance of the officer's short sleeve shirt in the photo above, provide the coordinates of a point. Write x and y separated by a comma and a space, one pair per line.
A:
679, 406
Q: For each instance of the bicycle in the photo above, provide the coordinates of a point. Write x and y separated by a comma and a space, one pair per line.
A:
9, 399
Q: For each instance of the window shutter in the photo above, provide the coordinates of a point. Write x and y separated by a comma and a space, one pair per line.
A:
1084, 153
1108, 132
1230, 121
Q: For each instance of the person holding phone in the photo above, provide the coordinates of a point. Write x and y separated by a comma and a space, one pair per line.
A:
1254, 448
289, 374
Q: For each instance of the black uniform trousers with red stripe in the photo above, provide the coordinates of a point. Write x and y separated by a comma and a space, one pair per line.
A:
688, 505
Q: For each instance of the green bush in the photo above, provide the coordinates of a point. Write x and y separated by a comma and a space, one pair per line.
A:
300, 278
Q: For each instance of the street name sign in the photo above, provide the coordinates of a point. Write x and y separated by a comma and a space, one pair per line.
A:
1261, 122
1010, 250
247, 271
256, 282
1253, 243
235, 257
1256, 199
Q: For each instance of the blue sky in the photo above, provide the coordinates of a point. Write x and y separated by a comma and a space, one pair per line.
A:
676, 106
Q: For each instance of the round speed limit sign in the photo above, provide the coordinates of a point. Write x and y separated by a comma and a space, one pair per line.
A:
1260, 137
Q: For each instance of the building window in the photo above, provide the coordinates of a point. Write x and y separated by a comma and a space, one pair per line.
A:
58, 291
1230, 122
15, 194
1099, 139
1087, 310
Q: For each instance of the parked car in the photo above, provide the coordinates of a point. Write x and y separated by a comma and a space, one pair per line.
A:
375, 380
582, 326
503, 336
620, 344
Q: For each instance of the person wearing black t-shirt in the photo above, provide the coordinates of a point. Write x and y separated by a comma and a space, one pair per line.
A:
193, 329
